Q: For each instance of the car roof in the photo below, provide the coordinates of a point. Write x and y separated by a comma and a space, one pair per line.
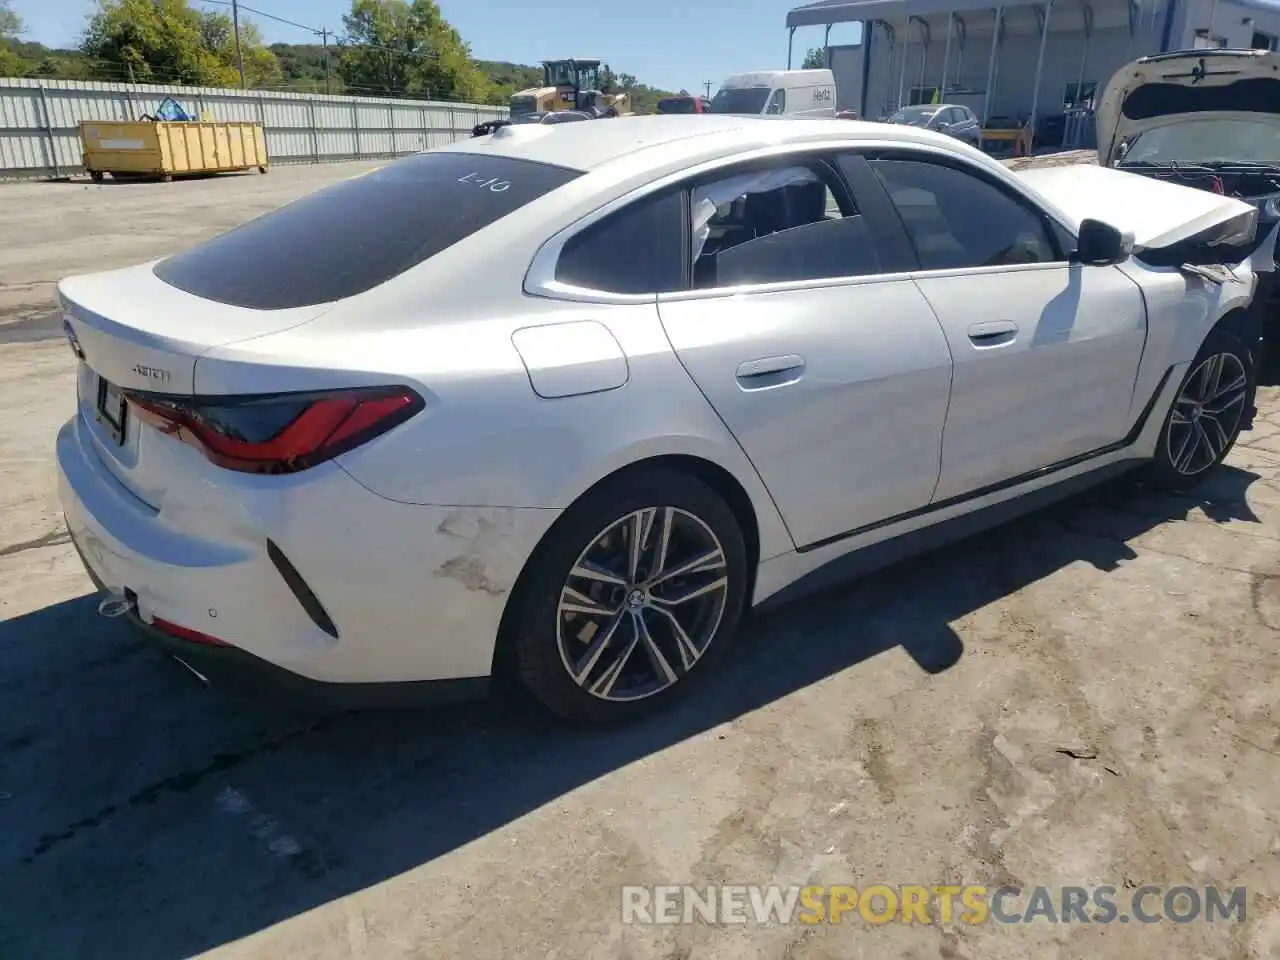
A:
687, 138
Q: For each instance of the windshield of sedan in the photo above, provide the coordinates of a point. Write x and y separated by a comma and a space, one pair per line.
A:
740, 100
361, 232
1208, 141
914, 115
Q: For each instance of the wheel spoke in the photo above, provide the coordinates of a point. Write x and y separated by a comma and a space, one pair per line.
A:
603, 687
1214, 434
663, 544
707, 562
660, 664
1178, 417
689, 653
1187, 449
573, 601
583, 668
1205, 442
586, 570
1212, 374
692, 593
641, 524
1236, 384
1224, 401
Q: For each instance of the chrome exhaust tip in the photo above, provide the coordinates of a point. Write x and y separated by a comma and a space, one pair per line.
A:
116, 605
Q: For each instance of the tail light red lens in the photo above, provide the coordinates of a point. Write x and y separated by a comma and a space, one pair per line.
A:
278, 433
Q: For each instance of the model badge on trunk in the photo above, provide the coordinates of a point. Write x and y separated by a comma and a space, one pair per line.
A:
152, 373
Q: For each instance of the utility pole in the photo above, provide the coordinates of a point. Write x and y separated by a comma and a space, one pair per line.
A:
235, 26
324, 38
707, 84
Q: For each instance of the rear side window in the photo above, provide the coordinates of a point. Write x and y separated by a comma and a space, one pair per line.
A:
639, 249
360, 233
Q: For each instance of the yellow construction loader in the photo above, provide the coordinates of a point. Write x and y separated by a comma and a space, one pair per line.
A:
572, 84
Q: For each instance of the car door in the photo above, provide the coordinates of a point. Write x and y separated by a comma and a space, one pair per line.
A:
1046, 351
813, 345
964, 125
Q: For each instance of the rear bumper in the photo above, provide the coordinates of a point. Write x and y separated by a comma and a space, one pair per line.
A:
239, 668
409, 593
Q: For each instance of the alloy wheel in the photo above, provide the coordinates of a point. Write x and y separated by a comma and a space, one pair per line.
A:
642, 604
1207, 413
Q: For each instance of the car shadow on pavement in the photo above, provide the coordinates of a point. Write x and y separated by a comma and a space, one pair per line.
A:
143, 815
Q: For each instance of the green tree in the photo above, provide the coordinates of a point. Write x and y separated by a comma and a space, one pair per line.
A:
10, 22
815, 59
11, 63
167, 41
396, 47
217, 35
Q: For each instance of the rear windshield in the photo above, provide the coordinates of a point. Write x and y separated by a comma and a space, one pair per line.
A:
359, 233
677, 105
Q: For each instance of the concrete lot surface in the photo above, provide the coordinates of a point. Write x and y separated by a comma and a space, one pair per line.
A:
1088, 696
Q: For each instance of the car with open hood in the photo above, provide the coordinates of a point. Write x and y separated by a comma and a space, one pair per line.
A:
1207, 119
565, 404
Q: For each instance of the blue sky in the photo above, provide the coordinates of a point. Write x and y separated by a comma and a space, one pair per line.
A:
668, 43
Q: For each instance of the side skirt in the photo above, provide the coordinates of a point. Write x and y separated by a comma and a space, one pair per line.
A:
888, 552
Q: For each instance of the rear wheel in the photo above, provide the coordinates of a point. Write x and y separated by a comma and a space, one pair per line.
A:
1208, 413
632, 598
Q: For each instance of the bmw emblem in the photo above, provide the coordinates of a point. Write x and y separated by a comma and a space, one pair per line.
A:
73, 340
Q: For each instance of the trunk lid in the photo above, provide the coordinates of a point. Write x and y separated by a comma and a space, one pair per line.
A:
1154, 212
1170, 88
131, 330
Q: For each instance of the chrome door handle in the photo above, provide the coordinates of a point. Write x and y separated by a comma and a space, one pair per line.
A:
770, 371
993, 333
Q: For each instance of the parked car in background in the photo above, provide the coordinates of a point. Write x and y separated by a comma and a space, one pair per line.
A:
1206, 119
556, 116
682, 104
848, 115
562, 409
952, 119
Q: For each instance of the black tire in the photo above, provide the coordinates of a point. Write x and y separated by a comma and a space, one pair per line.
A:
1177, 466
533, 628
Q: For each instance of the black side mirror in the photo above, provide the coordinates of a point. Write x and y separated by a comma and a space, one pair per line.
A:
1100, 244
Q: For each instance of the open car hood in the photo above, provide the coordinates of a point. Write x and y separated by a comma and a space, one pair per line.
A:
1168, 87
1156, 213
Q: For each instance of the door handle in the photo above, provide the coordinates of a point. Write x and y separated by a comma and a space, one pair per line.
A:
770, 371
993, 333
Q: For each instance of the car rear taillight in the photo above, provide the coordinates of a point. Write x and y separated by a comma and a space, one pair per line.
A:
277, 433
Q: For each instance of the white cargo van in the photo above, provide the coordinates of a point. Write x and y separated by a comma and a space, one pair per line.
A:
791, 93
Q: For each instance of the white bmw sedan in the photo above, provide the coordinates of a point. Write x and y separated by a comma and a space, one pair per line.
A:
566, 401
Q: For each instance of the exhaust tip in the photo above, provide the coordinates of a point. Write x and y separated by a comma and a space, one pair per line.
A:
116, 605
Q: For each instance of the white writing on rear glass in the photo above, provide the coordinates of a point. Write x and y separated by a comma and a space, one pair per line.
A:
492, 184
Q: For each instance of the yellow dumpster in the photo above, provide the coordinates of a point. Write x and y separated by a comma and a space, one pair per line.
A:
166, 149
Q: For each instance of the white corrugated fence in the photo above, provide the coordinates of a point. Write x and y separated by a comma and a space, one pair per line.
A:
39, 121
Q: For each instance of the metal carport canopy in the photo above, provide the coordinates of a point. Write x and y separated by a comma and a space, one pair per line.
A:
847, 11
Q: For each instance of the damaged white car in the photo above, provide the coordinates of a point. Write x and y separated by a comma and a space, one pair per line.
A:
1207, 119
565, 404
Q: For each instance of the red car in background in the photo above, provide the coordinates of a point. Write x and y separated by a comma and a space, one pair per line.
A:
689, 104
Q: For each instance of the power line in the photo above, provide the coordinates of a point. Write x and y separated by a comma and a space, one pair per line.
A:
323, 31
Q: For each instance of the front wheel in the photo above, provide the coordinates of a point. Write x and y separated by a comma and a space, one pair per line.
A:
1208, 413
634, 595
